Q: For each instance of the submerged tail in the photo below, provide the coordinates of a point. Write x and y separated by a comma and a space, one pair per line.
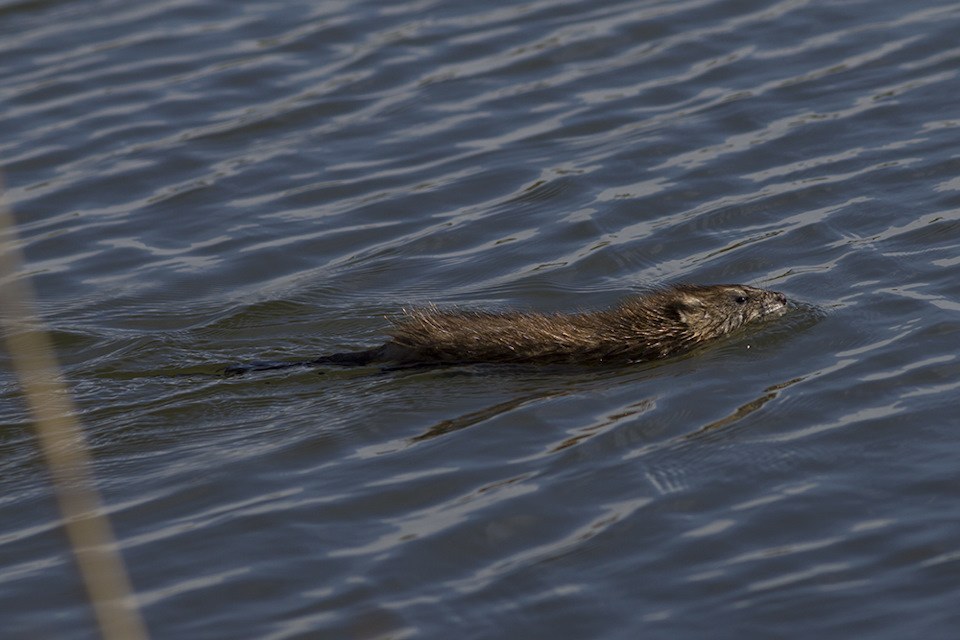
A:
353, 358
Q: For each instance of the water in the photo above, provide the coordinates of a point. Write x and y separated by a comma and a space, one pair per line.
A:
201, 183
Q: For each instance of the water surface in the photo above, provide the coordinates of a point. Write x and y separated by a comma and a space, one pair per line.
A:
200, 183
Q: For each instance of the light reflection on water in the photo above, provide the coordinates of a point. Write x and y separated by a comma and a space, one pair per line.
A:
199, 184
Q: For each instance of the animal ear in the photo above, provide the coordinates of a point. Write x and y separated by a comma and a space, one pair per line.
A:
687, 309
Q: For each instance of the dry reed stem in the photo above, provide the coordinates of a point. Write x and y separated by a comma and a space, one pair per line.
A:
64, 447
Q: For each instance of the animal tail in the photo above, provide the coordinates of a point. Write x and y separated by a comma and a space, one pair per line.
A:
354, 358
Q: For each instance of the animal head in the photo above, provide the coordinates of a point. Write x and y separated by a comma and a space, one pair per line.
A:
715, 310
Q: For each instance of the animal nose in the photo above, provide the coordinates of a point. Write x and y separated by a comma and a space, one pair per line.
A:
782, 298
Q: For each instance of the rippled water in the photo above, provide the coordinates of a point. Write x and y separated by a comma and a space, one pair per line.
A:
199, 183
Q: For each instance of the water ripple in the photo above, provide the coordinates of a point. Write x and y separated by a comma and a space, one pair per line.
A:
199, 184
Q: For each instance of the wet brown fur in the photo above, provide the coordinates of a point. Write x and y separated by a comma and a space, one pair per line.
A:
655, 325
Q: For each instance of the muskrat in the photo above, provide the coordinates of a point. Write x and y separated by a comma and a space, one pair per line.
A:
660, 323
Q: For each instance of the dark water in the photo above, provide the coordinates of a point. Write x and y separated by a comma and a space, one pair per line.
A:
199, 183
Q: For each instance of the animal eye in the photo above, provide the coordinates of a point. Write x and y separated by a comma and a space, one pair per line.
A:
741, 299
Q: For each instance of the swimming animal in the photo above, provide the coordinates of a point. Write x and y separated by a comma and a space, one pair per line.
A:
657, 324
